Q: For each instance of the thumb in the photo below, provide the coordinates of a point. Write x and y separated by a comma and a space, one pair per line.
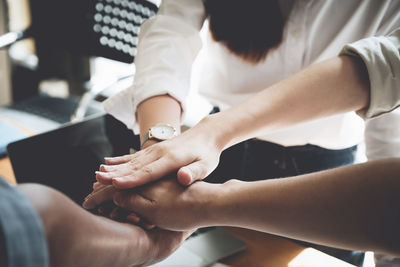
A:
192, 172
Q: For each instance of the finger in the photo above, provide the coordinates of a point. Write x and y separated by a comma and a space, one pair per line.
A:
114, 213
146, 174
100, 211
121, 169
102, 195
104, 178
97, 185
109, 172
133, 218
113, 168
95, 189
132, 202
118, 160
107, 168
146, 225
105, 209
118, 214
192, 172
149, 226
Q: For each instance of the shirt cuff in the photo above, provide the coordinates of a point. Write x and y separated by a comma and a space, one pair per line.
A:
382, 60
23, 232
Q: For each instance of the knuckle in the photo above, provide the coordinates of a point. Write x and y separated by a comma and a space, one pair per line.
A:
173, 157
201, 171
123, 158
148, 172
121, 200
138, 154
148, 150
133, 165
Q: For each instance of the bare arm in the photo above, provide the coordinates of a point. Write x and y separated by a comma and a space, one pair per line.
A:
354, 207
158, 109
78, 238
334, 86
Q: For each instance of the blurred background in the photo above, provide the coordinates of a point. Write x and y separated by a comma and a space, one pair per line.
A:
66, 45
60, 59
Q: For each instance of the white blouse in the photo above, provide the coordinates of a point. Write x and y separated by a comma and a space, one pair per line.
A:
170, 43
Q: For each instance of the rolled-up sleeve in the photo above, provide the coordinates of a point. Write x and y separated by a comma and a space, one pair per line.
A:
24, 238
381, 56
168, 45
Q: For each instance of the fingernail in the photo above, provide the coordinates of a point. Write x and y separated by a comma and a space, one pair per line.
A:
148, 226
100, 210
86, 205
118, 198
133, 218
114, 214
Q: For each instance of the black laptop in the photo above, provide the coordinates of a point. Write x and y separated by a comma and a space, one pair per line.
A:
66, 158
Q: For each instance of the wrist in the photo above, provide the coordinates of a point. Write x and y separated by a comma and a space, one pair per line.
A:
148, 143
211, 126
225, 207
159, 132
214, 202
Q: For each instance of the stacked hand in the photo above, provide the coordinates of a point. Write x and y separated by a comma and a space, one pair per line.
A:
89, 240
142, 176
165, 203
192, 155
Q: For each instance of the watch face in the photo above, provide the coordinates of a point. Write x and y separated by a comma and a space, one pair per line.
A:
163, 132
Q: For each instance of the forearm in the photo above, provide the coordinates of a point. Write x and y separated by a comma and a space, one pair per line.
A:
354, 207
105, 243
158, 109
334, 86
77, 238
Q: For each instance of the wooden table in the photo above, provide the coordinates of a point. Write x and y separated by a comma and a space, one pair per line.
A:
6, 170
263, 250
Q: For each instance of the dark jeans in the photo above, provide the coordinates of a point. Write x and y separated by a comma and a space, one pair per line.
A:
255, 159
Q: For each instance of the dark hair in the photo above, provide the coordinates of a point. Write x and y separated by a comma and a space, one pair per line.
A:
248, 28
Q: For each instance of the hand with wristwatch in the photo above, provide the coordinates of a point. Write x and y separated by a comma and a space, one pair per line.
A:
159, 132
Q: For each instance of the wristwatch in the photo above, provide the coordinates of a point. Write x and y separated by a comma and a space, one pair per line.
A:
160, 132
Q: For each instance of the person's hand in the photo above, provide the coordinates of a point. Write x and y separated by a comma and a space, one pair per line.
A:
78, 238
170, 205
101, 200
101, 194
193, 155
